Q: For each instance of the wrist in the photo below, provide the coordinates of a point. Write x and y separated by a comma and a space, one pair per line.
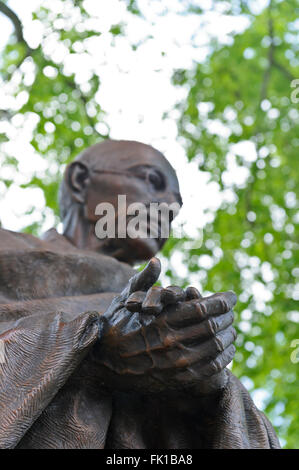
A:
210, 386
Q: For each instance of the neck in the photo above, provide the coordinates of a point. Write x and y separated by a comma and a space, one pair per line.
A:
76, 228
81, 233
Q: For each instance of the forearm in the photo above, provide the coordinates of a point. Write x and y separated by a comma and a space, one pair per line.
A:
71, 306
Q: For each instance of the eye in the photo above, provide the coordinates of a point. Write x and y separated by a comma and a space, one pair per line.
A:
156, 179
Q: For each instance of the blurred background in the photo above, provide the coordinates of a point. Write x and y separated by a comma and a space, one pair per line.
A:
214, 85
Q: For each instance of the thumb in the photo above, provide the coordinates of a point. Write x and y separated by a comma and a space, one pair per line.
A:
147, 277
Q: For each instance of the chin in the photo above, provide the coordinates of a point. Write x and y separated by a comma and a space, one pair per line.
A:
131, 250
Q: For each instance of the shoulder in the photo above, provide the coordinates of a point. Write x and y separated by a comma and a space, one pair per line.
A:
54, 267
10, 240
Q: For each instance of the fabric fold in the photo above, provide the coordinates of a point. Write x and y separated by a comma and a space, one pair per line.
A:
40, 352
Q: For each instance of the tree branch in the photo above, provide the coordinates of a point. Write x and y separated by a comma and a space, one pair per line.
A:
272, 62
15, 21
9, 13
284, 70
267, 73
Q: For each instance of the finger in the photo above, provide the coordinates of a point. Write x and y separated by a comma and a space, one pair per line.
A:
134, 302
219, 303
208, 350
202, 372
197, 310
182, 357
146, 278
192, 293
217, 365
200, 332
171, 354
158, 335
152, 303
172, 295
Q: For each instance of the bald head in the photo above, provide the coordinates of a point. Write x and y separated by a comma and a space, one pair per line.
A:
118, 155
121, 155
102, 173
100, 156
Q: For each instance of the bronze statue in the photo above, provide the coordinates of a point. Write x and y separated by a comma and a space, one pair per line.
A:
92, 354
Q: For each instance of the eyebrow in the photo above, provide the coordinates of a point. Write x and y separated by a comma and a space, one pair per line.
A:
113, 172
128, 173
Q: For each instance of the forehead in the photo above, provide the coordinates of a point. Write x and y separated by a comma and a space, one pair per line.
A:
123, 155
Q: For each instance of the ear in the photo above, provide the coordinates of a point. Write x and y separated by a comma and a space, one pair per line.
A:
77, 177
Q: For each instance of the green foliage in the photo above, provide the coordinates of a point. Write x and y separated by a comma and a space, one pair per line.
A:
241, 92
252, 242
65, 110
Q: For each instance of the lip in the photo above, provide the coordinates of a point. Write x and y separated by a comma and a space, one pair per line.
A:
145, 229
147, 247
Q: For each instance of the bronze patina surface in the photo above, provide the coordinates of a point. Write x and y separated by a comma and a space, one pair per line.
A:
93, 354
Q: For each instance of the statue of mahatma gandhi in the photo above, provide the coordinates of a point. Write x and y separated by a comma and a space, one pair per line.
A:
94, 355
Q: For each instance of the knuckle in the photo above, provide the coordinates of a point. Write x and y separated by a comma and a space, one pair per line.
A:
212, 326
168, 340
181, 362
198, 309
234, 333
202, 308
232, 351
224, 304
215, 366
218, 344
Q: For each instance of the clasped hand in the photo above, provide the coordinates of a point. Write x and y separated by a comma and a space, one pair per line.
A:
154, 339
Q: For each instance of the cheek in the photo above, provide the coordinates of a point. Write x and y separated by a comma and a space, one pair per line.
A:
95, 197
107, 191
109, 194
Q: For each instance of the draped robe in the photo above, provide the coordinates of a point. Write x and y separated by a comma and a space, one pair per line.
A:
52, 296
